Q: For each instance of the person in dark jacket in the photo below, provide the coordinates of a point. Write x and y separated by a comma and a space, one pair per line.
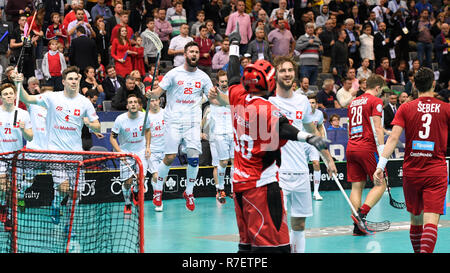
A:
83, 50
119, 101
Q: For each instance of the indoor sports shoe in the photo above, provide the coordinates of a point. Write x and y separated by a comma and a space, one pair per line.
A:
157, 198
362, 226
8, 223
127, 209
317, 196
159, 208
190, 205
221, 196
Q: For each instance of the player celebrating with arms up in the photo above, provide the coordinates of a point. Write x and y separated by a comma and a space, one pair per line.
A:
184, 86
128, 130
259, 132
362, 149
425, 121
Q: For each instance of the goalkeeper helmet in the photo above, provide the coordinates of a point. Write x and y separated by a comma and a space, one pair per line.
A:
259, 76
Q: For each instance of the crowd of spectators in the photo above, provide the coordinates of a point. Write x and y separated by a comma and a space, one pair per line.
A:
337, 44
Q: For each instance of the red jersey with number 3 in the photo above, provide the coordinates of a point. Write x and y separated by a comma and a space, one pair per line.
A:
360, 131
257, 155
426, 122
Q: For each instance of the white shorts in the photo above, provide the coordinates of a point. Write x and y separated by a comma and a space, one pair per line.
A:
129, 168
186, 134
224, 145
300, 203
214, 157
312, 154
293, 181
154, 161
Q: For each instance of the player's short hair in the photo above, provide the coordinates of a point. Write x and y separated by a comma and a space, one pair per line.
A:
70, 69
221, 73
7, 85
131, 96
312, 97
149, 19
375, 80
283, 59
423, 79
190, 44
203, 26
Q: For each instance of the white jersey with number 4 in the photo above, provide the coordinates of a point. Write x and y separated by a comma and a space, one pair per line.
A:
297, 110
184, 92
11, 138
65, 119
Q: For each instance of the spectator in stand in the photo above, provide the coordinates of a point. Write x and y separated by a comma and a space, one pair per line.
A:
259, 48
112, 82
83, 51
382, 13
310, 47
245, 25
421, 31
212, 34
212, 12
304, 87
102, 39
177, 19
362, 87
55, 30
363, 71
424, 5
79, 22
386, 71
353, 42
281, 40
382, 43
70, 16
89, 82
206, 47
221, 57
335, 121
442, 47
195, 28
262, 17
389, 111
101, 9
138, 59
366, 49
351, 75
401, 72
373, 22
112, 21
14, 9
163, 28
402, 98
119, 101
121, 52
395, 5
254, 12
346, 94
339, 57
37, 29
287, 14
53, 64
177, 43
138, 80
326, 98
149, 40
323, 16
328, 37
124, 18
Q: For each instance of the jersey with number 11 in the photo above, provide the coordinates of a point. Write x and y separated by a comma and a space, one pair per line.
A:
426, 122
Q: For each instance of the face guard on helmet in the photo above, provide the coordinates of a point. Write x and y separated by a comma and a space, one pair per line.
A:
259, 76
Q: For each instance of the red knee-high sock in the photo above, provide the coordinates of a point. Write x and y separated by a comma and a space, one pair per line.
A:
365, 209
429, 237
415, 234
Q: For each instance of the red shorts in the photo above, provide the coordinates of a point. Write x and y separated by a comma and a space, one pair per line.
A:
262, 220
425, 194
360, 165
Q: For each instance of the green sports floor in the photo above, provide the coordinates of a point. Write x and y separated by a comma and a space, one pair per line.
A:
211, 228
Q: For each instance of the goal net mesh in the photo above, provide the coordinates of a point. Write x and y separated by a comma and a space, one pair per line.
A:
66, 202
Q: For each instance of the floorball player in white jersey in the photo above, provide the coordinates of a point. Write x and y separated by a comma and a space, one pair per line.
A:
157, 124
184, 87
311, 152
126, 137
294, 171
67, 112
221, 137
11, 139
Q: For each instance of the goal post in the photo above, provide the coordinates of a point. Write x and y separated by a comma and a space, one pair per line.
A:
63, 202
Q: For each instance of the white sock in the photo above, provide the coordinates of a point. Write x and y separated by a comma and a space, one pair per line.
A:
163, 171
191, 175
126, 194
221, 176
297, 241
231, 177
316, 176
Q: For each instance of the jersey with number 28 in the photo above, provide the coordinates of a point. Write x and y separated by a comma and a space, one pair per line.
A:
426, 122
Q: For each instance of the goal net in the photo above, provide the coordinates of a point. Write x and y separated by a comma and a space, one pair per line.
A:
66, 202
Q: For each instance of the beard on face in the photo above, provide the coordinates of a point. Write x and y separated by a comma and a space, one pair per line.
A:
285, 86
191, 62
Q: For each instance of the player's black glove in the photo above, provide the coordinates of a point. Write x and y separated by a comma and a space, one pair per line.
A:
235, 36
318, 142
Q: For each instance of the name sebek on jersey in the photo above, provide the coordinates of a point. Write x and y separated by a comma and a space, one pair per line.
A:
257, 155
360, 131
426, 122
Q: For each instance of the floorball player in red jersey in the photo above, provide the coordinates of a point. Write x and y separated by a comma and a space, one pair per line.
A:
259, 132
425, 121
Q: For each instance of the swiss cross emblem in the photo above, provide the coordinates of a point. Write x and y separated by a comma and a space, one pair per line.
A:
298, 114
197, 85
140, 128
77, 112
